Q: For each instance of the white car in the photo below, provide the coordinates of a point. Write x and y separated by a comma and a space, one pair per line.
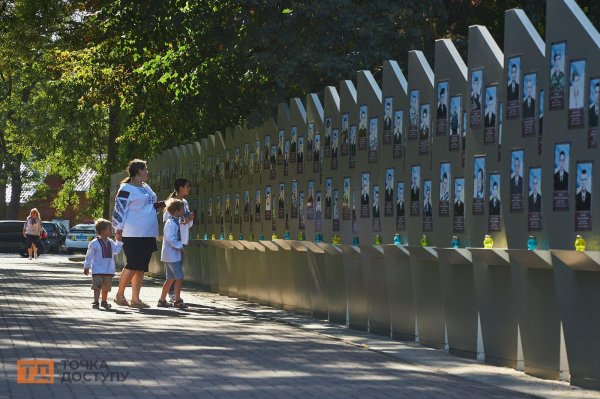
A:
79, 237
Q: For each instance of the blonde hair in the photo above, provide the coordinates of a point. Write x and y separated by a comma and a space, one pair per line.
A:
36, 211
101, 225
174, 205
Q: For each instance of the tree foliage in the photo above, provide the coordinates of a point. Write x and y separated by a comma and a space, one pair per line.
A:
95, 83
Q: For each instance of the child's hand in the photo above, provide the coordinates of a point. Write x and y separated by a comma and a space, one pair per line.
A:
190, 217
86, 271
119, 235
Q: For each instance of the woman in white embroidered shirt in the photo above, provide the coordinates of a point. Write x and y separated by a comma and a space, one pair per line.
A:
136, 224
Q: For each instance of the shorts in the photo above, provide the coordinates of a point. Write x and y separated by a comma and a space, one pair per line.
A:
103, 281
31, 239
138, 251
174, 270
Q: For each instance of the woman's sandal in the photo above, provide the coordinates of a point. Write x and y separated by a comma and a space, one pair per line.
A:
179, 304
121, 301
162, 303
138, 304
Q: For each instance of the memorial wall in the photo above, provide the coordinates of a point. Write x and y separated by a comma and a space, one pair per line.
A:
502, 146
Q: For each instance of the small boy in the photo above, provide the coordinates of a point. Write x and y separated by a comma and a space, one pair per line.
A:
100, 257
172, 249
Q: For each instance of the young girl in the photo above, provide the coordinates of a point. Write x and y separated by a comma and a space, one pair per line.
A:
181, 190
172, 253
32, 229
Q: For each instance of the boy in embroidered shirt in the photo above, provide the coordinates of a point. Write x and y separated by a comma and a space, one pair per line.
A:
172, 249
100, 258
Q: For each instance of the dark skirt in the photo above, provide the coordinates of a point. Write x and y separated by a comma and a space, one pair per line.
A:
138, 251
32, 240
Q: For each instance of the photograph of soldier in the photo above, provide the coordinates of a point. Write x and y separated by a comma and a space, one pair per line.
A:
294, 140
353, 140
490, 107
424, 129
336, 207
415, 183
455, 115
494, 194
376, 213
311, 136
317, 149
529, 80
300, 155
268, 199
576, 94
389, 185
442, 102
516, 172
583, 198
561, 167
334, 143
514, 77
413, 113
479, 196
345, 133
257, 202
364, 191
445, 178
362, 123
400, 199
427, 205
476, 79
327, 138
373, 140
398, 116
557, 75
459, 202
318, 207
267, 150
281, 197
246, 202
311, 193
286, 155
294, 199
387, 119
346, 192
280, 141
236, 205
535, 192
328, 192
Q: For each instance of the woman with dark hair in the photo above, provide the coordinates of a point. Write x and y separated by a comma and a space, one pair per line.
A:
181, 190
136, 225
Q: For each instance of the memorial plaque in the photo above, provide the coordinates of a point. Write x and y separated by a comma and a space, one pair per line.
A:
328, 197
346, 199
534, 202
376, 219
413, 115
583, 197
362, 127
562, 155
334, 149
593, 112
445, 179
479, 185
415, 189
327, 138
387, 120
516, 180
576, 94
529, 104
558, 53
400, 215
364, 195
310, 201
513, 89
476, 101
373, 141
345, 133
319, 213
427, 206
495, 204
336, 211
442, 108
388, 205
424, 130
294, 211
293, 144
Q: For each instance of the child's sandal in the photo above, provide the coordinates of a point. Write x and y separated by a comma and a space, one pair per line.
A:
162, 303
95, 305
105, 305
179, 304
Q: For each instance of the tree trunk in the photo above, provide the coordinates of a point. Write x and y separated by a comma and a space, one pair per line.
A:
114, 114
16, 183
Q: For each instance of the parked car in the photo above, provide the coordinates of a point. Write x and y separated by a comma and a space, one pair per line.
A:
79, 237
12, 240
55, 236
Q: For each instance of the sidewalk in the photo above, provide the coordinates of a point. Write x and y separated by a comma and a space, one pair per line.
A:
218, 348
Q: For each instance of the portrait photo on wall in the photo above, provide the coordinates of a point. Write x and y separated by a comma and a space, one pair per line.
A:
328, 197
455, 123
427, 206
415, 189
445, 179
479, 185
458, 223
300, 156
363, 121
317, 153
345, 133
346, 199
266, 152
336, 211
327, 138
352, 153
281, 201
376, 219
364, 194
310, 200
534, 206
310, 140
576, 94
246, 206
280, 143
286, 158
334, 148
529, 104
236, 209
398, 133
388, 207
593, 112
387, 120
400, 216
301, 219
273, 162
257, 206
513, 93
562, 155
516, 180
413, 115
293, 143
257, 160
476, 100
557, 75
294, 208
489, 124
268, 203
583, 198
373, 140
442, 108
318, 212
424, 130
494, 203
540, 120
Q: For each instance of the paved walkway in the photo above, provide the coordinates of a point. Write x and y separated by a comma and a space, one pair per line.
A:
219, 348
